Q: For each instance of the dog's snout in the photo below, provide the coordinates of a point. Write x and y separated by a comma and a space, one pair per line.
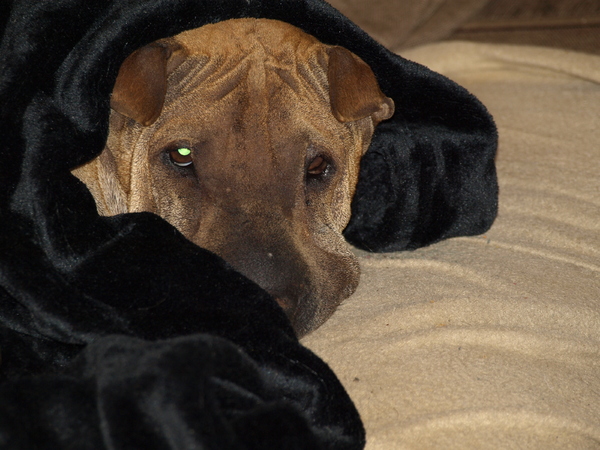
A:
277, 271
308, 283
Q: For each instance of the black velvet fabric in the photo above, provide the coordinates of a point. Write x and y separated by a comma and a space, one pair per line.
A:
117, 332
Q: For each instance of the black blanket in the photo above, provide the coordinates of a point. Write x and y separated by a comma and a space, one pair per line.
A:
117, 332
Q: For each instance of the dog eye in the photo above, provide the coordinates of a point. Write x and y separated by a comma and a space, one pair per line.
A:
318, 166
181, 156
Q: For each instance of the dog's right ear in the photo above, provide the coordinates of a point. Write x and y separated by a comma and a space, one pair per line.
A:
141, 86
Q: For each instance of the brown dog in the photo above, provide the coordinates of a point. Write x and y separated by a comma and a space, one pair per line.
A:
247, 135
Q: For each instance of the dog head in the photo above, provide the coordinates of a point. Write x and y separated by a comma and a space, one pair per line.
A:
247, 135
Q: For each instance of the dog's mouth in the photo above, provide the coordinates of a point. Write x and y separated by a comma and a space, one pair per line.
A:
294, 306
302, 313
308, 293
288, 305
310, 310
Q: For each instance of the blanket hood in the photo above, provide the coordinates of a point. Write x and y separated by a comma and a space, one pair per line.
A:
85, 299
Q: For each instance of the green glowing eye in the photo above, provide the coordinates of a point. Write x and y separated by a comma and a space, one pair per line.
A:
181, 156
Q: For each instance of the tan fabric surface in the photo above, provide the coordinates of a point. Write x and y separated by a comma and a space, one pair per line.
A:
492, 341
567, 24
405, 23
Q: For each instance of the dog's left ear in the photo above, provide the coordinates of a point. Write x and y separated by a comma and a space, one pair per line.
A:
141, 86
353, 89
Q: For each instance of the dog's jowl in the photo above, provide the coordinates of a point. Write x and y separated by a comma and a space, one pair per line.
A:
247, 136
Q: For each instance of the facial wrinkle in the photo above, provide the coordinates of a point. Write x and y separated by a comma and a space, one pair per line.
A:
259, 103
221, 77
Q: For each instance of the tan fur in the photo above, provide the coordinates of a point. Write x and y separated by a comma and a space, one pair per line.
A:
257, 101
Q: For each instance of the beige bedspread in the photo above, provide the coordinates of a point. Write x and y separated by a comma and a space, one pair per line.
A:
492, 341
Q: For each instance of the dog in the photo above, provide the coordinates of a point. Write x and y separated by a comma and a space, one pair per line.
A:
246, 135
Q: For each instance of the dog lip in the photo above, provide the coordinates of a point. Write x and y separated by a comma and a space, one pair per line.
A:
287, 304
292, 307
301, 313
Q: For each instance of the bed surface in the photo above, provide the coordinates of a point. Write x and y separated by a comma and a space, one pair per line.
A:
401, 24
492, 341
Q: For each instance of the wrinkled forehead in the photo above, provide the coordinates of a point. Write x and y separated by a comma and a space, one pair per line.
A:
239, 37
259, 56
245, 35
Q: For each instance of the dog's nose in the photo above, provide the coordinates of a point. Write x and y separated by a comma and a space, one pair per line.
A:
276, 270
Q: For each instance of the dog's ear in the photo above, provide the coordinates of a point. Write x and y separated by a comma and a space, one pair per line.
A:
353, 89
141, 85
